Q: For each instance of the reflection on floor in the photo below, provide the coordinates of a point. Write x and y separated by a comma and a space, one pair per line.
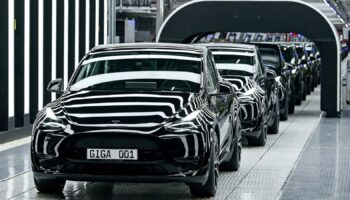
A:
323, 171
263, 171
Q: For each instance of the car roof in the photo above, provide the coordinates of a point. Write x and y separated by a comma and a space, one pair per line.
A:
229, 45
142, 45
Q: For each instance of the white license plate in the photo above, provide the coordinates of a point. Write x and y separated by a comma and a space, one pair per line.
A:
112, 154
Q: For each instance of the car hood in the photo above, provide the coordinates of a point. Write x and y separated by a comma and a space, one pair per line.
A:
125, 112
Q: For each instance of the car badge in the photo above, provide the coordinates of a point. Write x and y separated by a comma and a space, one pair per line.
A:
115, 121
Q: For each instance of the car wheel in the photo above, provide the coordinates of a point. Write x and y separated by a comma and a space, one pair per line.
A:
208, 189
291, 108
49, 186
261, 140
276, 122
234, 162
284, 114
299, 99
308, 88
312, 84
305, 90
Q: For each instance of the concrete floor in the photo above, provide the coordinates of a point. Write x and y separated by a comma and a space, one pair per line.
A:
263, 173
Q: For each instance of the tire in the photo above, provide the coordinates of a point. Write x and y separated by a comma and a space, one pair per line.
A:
312, 85
49, 186
308, 88
304, 96
276, 122
291, 108
208, 189
305, 90
261, 140
299, 99
234, 162
284, 115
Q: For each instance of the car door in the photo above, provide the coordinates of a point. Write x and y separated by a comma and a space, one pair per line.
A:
221, 102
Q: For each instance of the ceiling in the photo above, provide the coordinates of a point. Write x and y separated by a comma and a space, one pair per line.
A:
337, 11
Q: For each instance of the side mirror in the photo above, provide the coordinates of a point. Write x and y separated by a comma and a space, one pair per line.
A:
56, 86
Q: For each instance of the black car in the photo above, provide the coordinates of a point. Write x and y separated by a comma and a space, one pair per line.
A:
272, 59
315, 59
257, 90
291, 57
139, 113
307, 68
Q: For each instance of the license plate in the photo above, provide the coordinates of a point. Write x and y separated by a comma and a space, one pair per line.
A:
112, 154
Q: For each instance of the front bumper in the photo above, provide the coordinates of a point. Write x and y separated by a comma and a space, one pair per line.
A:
159, 159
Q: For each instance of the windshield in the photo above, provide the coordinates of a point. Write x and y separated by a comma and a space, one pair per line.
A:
140, 73
229, 69
270, 57
287, 53
237, 59
300, 52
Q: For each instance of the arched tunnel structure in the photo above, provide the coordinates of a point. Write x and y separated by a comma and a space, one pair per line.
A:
271, 16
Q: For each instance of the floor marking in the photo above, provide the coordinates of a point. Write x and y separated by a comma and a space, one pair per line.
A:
15, 143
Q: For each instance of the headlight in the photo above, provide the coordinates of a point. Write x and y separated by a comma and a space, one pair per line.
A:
50, 114
187, 123
51, 122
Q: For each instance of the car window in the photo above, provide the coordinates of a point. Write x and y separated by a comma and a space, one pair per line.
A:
214, 70
287, 53
261, 69
142, 72
211, 75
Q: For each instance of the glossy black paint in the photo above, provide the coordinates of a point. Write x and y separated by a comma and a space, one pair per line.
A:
148, 121
283, 72
258, 93
308, 66
315, 58
291, 57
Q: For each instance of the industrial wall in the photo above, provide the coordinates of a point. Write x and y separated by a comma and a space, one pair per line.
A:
41, 40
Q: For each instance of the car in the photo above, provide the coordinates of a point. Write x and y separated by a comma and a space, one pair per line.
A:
307, 67
315, 59
272, 59
257, 90
147, 112
291, 57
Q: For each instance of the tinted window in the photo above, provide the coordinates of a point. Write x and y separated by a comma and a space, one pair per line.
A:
212, 79
300, 52
140, 73
287, 53
270, 56
237, 59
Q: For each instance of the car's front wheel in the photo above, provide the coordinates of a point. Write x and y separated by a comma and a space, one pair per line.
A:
49, 186
208, 189
261, 140
300, 91
234, 161
276, 122
284, 114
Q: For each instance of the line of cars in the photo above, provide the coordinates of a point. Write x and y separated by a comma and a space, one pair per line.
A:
152, 112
